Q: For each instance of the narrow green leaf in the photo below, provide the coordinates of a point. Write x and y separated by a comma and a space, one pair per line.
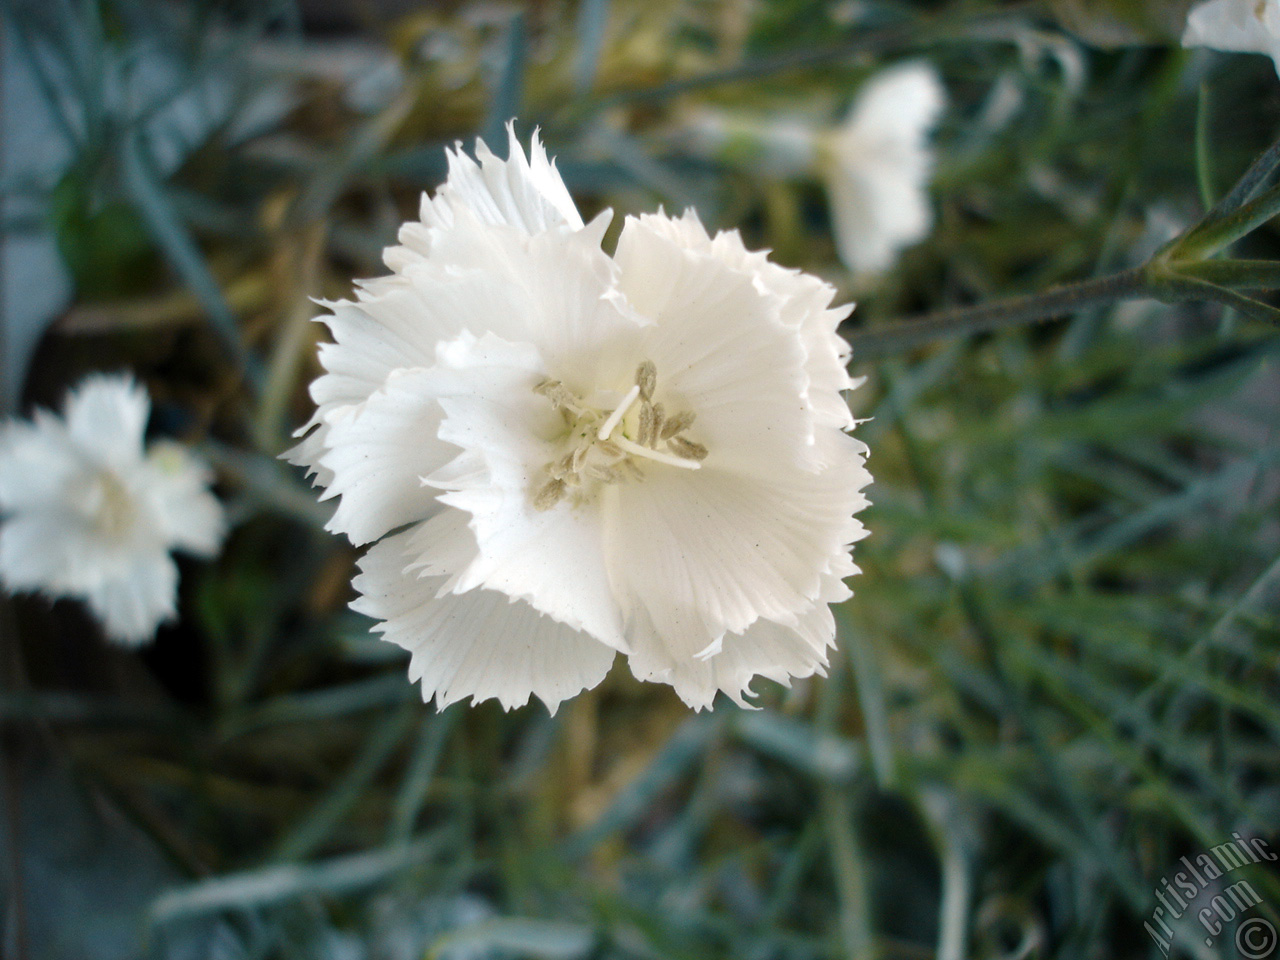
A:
320, 821
593, 18
1251, 308
540, 939
1261, 168
1213, 234
278, 884
509, 90
1204, 169
849, 864
433, 734
684, 749
865, 663
184, 255
821, 755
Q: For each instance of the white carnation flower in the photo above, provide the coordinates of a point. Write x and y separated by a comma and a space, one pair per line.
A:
877, 166
563, 454
90, 515
1238, 26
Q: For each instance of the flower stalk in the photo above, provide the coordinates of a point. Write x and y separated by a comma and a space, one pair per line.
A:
1055, 302
1181, 271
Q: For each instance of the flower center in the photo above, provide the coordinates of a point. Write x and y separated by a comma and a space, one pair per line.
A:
105, 502
608, 447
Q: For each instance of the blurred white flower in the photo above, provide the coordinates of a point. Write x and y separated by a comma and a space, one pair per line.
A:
563, 454
1238, 26
876, 165
89, 515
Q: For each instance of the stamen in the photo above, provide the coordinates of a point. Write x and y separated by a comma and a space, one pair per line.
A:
549, 495
646, 379
602, 473
645, 435
615, 418
659, 418
687, 448
678, 424
561, 397
658, 455
592, 453
562, 467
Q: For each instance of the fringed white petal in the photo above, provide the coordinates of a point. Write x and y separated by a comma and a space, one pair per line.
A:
175, 486
107, 417
378, 453
1239, 26
554, 290
37, 461
720, 348
553, 559
520, 191
370, 339
481, 644
766, 649
46, 550
139, 596
523, 193
699, 555
804, 305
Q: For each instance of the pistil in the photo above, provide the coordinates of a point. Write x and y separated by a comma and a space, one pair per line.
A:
619, 412
657, 455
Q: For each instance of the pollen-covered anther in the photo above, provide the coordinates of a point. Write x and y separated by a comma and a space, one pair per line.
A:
646, 379
678, 424
561, 398
647, 424
687, 448
549, 494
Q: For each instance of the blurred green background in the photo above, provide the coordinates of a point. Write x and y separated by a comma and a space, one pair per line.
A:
1058, 674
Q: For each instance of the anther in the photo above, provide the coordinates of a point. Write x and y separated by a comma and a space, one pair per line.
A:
561, 397
646, 379
562, 467
678, 424
648, 425
549, 494
687, 448
602, 473
659, 418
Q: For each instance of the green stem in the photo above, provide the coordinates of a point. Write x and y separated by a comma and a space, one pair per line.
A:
1204, 172
1251, 308
985, 317
1217, 232
1236, 274
1258, 171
